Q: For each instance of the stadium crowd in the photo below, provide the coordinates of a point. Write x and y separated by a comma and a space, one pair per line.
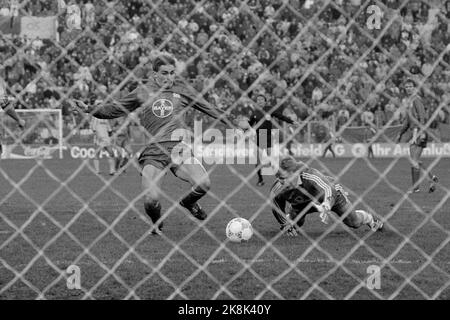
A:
230, 48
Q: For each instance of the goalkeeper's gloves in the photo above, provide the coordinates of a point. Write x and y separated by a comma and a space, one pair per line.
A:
324, 210
290, 227
291, 230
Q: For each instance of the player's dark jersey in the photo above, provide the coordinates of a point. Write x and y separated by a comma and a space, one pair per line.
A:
296, 198
263, 123
416, 119
314, 185
163, 111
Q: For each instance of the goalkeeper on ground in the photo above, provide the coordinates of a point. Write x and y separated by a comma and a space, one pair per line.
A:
300, 190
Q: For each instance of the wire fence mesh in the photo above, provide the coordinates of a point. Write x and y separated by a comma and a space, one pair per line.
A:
336, 68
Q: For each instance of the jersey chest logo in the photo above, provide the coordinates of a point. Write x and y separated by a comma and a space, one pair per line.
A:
162, 108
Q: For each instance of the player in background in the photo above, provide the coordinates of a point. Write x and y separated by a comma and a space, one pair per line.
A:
300, 190
290, 134
164, 101
102, 141
262, 120
416, 119
369, 138
122, 134
330, 140
7, 103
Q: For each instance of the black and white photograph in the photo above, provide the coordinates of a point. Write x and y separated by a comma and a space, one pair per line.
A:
244, 151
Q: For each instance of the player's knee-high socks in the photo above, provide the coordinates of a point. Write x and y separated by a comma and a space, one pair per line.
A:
260, 177
415, 176
124, 161
117, 162
112, 165
196, 194
153, 210
97, 165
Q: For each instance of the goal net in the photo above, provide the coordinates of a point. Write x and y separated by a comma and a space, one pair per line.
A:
42, 138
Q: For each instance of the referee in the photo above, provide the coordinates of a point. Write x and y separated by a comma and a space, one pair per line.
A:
262, 120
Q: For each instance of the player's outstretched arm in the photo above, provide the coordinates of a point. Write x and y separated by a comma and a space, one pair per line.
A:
7, 105
115, 109
282, 117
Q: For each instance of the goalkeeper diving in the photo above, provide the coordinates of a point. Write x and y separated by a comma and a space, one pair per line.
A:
300, 190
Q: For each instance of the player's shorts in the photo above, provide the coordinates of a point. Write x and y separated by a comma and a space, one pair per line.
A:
168, 154
422, 140
102, 142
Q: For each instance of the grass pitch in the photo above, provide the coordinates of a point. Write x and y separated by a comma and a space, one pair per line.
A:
46, 226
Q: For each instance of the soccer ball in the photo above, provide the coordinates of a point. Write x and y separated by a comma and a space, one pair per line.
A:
239, 229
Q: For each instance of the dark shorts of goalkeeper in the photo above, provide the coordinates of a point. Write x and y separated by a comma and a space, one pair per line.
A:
163, 155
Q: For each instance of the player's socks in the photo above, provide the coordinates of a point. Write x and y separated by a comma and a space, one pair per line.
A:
193, 196
117, 162
124, 162
112, 164
190, 203
365, 217
260, 177
97, 165
153, 210
415, 175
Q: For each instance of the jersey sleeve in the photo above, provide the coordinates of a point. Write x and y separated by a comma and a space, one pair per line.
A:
280, 116
120, 107
320, 183
205, 107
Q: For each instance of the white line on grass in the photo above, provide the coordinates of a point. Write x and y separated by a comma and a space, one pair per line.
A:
67, 263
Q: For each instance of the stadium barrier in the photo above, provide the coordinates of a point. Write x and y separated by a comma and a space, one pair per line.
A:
66, 232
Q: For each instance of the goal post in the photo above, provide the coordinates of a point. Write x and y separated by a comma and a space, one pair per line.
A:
42, 136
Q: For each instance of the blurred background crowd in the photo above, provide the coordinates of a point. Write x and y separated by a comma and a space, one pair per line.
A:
314, 61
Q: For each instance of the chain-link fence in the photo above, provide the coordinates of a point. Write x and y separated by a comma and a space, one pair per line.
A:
337, 69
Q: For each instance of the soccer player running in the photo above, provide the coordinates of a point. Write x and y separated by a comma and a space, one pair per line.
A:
262, 121
416, 119
102, 141
7, 103
164, 101
300, 190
